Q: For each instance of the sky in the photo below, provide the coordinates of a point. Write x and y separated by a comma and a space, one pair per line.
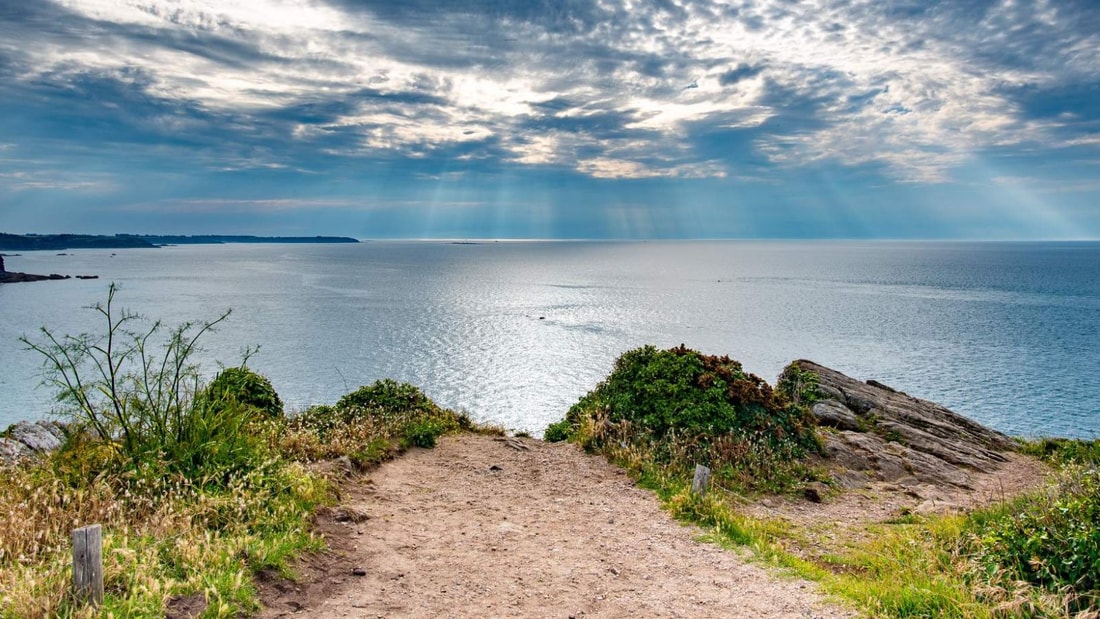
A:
538, 119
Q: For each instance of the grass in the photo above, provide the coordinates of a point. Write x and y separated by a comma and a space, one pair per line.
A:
1035, 556
174, 536
914, 566
162, 537
198, 486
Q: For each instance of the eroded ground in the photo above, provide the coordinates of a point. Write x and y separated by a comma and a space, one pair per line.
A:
480, 528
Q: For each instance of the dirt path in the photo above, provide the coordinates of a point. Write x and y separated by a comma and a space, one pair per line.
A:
478, 528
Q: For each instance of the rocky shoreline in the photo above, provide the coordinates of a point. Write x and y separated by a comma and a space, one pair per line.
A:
874, 433
12, 277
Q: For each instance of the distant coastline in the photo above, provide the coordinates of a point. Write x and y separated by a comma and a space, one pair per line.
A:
32, 242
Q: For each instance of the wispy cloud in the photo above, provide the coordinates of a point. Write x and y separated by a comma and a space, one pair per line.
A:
54, 181
906, 92
914, 90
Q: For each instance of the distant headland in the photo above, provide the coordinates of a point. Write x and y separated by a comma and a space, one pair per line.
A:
11, 277
32, 242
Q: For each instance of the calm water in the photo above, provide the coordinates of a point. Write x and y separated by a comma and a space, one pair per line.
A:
514, 333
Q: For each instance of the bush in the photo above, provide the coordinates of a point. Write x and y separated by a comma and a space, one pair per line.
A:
388, 397
557, 432
681, 391
371, 424
145, 403
798, 385
1061, 451
422, 433
678, 407
181, 477
245, 387
1051, 539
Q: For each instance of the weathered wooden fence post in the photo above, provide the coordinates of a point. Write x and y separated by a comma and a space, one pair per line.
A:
88, 564
702, 478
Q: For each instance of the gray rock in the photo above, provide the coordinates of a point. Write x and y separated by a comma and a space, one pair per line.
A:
851, 480
12, 450
833, 414
938, 507
55, 428
881, 434
36, 436
829, 392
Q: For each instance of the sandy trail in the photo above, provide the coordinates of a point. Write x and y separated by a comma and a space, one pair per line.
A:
478, 528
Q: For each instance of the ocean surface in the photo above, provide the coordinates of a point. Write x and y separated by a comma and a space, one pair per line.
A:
515, 332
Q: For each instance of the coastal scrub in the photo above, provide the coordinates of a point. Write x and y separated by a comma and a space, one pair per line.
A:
198, 485
660, 412
673, 409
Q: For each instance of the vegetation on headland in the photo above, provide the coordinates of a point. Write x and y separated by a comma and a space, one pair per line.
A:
53, 242
661, 412
198, 485
667, 410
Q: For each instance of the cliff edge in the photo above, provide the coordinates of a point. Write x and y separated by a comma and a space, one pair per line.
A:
873, 432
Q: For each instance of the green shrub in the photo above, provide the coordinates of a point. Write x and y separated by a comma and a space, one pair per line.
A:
387, 396
557, 432
146, 403
370, 424
181, 476
246, 387
798, 385
678, 407
422, 433
1050, 539
1061, 451
685, 392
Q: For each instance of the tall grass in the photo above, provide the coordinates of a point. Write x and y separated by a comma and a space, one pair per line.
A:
163, 536
1041, 552
198, 486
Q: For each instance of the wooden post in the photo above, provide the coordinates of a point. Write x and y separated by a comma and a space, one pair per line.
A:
702, 478
88, 564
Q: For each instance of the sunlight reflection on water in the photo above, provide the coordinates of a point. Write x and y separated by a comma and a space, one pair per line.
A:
514, 333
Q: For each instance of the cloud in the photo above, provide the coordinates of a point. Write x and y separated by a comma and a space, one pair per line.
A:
30, 181
908, 89
739, 73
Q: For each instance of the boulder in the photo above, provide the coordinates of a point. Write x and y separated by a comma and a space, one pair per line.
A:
832, 414
876, 433
26, 439
39, 436
12, 450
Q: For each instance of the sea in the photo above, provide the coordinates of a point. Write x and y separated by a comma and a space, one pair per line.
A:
515, 332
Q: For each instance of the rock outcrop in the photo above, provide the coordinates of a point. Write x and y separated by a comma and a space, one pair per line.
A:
11, 277
26, 439
875, 433
8, 277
